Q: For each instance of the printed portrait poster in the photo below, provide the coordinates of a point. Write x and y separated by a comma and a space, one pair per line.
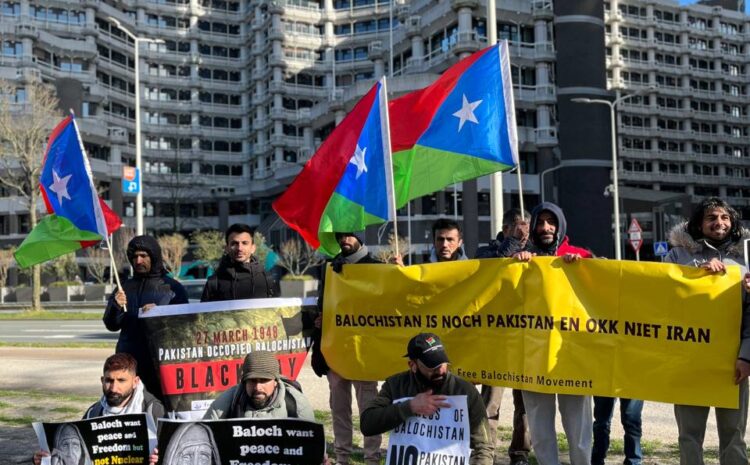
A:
199, 348
442, 437
110, 440
246, 441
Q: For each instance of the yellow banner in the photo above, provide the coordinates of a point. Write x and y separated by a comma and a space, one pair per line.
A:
639, 330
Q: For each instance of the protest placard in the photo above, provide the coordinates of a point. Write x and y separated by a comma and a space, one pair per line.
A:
243, 441
199, 348
110, 440
442, 437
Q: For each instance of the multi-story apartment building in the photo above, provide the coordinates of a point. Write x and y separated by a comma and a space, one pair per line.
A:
194, 100
688, 133
237, 95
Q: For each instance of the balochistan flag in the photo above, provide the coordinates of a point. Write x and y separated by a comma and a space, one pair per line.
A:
347, 184
461, 127
78, 217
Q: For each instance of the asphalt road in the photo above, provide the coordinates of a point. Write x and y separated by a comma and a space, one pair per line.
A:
53, 331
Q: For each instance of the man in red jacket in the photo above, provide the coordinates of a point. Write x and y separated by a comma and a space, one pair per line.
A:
547, 237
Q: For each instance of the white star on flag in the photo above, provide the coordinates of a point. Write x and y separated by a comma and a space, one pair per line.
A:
60, 186
466, 113
358, 160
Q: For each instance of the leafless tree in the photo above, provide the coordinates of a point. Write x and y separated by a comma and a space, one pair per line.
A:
6, 260
173, 248
121, 239
25, 125
64, 267
388, 253
97, 263
297, 258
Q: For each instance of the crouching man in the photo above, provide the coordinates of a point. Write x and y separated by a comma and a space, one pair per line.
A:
427, 381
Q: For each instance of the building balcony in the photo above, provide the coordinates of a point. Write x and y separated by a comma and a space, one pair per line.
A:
544, 51
467, 42
546, 137
413, 26
542, 9
276, 33
545, 94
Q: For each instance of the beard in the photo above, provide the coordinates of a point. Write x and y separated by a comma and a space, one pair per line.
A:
435, 382
116, 400
259, 400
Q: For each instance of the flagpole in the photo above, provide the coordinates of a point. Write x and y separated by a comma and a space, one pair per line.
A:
386, 132
520, 190
113, 264
496, 179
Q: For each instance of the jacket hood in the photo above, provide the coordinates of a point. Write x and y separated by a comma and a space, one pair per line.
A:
562, 224
679, 237
151, 246
460, 254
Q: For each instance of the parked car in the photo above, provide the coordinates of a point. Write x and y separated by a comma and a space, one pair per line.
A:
194, 288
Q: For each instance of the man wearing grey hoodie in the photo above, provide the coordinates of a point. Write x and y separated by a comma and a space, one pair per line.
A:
547, 238
712, 239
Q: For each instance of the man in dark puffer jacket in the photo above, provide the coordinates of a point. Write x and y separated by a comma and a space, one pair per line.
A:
149, 286
239, 275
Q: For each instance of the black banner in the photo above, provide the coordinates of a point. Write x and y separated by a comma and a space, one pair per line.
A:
244, 441
199, 348
110, 440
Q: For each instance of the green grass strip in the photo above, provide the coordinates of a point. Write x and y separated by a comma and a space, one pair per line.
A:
47, 315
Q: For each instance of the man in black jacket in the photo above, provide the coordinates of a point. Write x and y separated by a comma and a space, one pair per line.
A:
352, 251
149, 286
239, 275
122, 394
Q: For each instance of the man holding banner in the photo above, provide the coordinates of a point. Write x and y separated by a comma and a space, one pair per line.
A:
547, 236
713, 239
261, 393
149, 286
416, 407
353, 250
123, 393
513, 236
447, 243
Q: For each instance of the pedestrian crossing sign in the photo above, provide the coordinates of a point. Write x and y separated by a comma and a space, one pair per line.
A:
661, 249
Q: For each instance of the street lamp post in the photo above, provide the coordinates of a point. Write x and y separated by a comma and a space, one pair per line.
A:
139, 196
615, 186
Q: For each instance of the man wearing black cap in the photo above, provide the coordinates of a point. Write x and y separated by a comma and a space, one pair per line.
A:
427, 383
149, 286
353, 251
261, 393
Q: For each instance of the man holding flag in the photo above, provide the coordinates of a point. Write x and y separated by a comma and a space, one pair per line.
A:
149, 286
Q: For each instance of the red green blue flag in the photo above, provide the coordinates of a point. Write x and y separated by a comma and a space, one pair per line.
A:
78, 217
461, 127
347, 184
